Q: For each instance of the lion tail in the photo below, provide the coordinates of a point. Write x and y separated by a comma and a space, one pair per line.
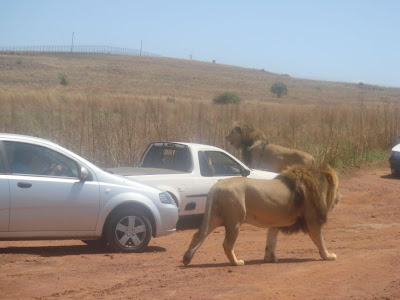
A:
202, 233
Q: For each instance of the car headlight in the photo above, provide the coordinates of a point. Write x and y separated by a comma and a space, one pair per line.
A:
166, 198
396, 154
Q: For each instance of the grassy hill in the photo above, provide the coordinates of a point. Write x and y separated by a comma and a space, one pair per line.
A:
160, 78
113, 105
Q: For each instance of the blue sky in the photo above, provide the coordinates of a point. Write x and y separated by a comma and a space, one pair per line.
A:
350, 41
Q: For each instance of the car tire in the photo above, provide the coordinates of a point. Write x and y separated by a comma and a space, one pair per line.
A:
128, 231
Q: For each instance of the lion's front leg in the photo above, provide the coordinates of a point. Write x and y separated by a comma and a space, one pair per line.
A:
316, 236
272, 237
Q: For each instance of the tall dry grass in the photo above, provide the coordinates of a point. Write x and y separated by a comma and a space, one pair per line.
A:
115, 130
114, 105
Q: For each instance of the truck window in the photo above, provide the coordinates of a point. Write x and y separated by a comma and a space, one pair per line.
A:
205, 168
214, 163
168, 156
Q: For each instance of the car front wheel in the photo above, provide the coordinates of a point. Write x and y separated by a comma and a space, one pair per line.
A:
128, 231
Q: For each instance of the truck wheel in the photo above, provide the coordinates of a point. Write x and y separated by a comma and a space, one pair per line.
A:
128, 231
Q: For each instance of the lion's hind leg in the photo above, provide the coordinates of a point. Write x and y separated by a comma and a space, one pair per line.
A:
231, 235
199, 237
316, 236
232, 222
272, 237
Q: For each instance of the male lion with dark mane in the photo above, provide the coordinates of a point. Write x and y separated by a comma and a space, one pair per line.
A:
258, 153
296, 200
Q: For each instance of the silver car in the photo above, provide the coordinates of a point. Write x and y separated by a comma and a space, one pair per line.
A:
48, 192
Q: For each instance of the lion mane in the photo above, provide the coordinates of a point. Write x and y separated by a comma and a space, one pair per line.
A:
257, 152
298, 199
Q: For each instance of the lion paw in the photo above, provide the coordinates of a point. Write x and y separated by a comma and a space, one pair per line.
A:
270, 258
239, 262
187, 258
330, 256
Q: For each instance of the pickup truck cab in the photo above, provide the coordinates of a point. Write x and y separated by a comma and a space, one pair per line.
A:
187, 171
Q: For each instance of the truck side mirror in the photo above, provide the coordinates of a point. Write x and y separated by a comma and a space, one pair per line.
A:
245, 172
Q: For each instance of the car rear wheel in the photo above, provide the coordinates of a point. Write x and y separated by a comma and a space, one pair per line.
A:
128, 231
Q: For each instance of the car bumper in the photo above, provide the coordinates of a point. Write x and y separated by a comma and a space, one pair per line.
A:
394, 163
168, 219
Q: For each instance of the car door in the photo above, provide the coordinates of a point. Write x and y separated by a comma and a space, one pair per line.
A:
193, 194
46, 193
4, 198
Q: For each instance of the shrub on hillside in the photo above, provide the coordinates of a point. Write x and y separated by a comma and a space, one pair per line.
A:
63, 79
226, 98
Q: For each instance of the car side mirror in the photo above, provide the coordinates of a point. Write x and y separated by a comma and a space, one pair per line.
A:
245, 172
84, 174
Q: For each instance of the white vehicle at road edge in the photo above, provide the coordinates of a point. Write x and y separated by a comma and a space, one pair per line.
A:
49, 192
187, 171
394, 160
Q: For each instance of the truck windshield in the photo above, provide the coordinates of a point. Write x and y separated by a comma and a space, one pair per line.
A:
167, 156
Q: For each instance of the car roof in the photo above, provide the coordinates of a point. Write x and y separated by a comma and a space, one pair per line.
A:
21, 137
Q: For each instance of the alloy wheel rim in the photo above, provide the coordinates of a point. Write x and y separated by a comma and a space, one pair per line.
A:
130, 232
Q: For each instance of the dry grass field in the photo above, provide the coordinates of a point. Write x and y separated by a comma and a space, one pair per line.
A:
114, 105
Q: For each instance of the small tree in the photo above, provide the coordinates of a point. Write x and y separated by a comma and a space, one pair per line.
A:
279, 89
227, 97
63, 79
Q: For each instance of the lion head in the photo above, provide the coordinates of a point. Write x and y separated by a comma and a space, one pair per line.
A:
243, 135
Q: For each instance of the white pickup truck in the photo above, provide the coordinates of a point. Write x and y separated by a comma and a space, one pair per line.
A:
187, 171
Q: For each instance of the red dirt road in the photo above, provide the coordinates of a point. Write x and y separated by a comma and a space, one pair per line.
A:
363, 230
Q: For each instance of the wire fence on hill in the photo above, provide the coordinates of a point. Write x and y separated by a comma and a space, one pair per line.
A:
76, 49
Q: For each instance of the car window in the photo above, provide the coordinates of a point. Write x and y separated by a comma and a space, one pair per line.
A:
168, 157
218, 164
28, 159
205, 167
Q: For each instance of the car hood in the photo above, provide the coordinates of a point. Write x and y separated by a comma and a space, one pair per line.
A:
260, 174
127, 183
396, 148
140, 171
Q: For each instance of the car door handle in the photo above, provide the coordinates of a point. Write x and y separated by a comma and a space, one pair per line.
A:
24, 185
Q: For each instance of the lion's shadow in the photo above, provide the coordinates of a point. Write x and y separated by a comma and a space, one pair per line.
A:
254, 262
